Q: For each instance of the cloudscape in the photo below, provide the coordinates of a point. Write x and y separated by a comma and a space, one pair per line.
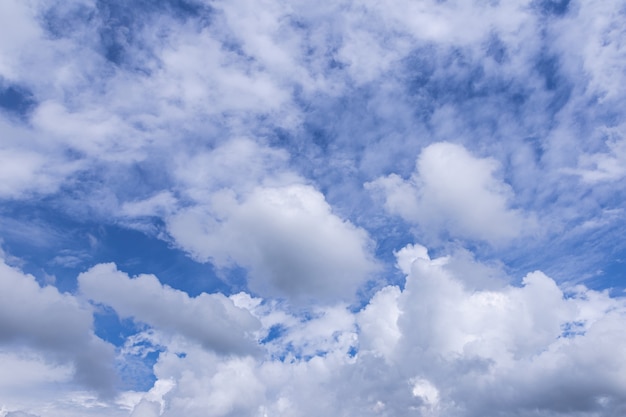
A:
291, 209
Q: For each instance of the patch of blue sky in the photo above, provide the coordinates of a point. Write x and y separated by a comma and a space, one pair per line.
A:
558, 86
353, 351
118, 26
572, 329
457, 78
612, 275
273, 333
578, 256
135, 372
69, 246
339, 133
48, 243
108, 326
553, 7
16, 100
136, 253
61, 21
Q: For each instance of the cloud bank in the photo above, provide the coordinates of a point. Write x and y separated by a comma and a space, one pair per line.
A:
437, 347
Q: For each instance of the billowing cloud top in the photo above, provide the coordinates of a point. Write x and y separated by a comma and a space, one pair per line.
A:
453, 191
235, 208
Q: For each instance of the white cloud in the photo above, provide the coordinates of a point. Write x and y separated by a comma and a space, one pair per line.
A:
437, 348
506, 338
457, 192
239, 165
28, 165
600, 49
606, 166
378, 323
160, 204
288, 238
209, 319
24, 369
19, 28
56, 325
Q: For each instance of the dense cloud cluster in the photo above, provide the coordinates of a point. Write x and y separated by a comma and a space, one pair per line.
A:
301, 158
441, 346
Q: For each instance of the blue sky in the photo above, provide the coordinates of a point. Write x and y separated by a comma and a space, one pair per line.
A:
342, 208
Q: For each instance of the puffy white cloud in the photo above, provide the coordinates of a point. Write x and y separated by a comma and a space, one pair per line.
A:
288, 237
515, 349
378, 323
455, 191
209, 319
56, 325
437, 347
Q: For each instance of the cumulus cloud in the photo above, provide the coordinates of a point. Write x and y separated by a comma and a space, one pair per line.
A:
437, 347
212, 320
56, 325
455, 191
288, 237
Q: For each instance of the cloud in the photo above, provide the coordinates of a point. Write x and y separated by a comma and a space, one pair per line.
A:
19, 414
288, 237
378, 322
437, 347
209, 319
455, 191
26, 168
28, 369
498, 343
56, 325
607, 166
242, 133
239, 164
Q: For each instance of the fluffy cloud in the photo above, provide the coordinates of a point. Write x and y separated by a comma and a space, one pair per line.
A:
209, 319
514, 350
288, 237
56, 325
438, 347
455, 191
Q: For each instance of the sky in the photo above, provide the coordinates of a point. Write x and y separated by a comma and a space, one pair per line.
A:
292, 209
